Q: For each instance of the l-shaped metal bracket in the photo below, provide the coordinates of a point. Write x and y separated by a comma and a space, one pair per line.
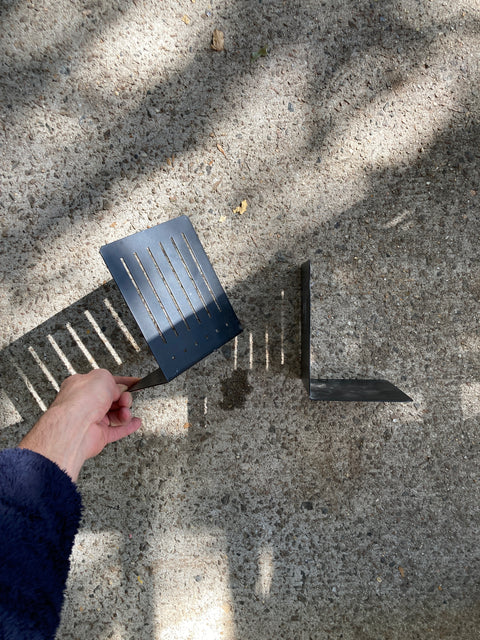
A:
342, 390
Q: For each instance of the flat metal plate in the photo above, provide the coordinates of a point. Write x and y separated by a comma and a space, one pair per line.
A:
356, 391
173, 292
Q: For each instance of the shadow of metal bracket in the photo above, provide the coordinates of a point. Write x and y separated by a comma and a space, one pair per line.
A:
342, 390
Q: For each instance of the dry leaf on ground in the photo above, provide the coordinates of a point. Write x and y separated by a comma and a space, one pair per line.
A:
242, 208
221, 150
218, 40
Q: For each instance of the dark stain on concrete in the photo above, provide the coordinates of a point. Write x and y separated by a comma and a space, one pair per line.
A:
235, 390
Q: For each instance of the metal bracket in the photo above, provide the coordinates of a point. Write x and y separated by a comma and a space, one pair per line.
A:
341, 390
174, 295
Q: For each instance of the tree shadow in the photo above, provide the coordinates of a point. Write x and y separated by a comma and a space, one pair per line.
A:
312, 502
180, 112
351, 514
334, 519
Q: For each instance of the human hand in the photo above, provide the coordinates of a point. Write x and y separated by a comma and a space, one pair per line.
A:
89, 412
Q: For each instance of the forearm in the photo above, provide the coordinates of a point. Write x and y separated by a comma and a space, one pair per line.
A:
58, 437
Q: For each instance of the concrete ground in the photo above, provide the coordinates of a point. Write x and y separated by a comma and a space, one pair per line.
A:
242, 510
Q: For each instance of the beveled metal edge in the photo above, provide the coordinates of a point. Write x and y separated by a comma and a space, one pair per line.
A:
343, 390
150, 380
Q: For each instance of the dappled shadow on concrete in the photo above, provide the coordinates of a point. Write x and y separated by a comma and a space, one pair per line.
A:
181, 112
320, 519
369, 500
312, 504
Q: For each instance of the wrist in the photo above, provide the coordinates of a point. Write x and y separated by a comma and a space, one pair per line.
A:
54, 440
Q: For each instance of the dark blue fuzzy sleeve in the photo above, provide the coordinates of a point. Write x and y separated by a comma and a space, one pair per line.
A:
39, 517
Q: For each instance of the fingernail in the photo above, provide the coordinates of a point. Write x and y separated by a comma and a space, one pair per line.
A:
122, 387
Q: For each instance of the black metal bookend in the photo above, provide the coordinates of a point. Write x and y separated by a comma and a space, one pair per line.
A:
174, 295
342, 390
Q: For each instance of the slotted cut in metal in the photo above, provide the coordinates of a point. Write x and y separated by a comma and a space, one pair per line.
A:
174, 294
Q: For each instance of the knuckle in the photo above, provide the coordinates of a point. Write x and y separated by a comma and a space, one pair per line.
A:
102, 376
69, 380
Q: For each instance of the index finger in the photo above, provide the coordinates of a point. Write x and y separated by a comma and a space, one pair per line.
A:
125, 400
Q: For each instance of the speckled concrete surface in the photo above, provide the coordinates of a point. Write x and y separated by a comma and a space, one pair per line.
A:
243, 510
